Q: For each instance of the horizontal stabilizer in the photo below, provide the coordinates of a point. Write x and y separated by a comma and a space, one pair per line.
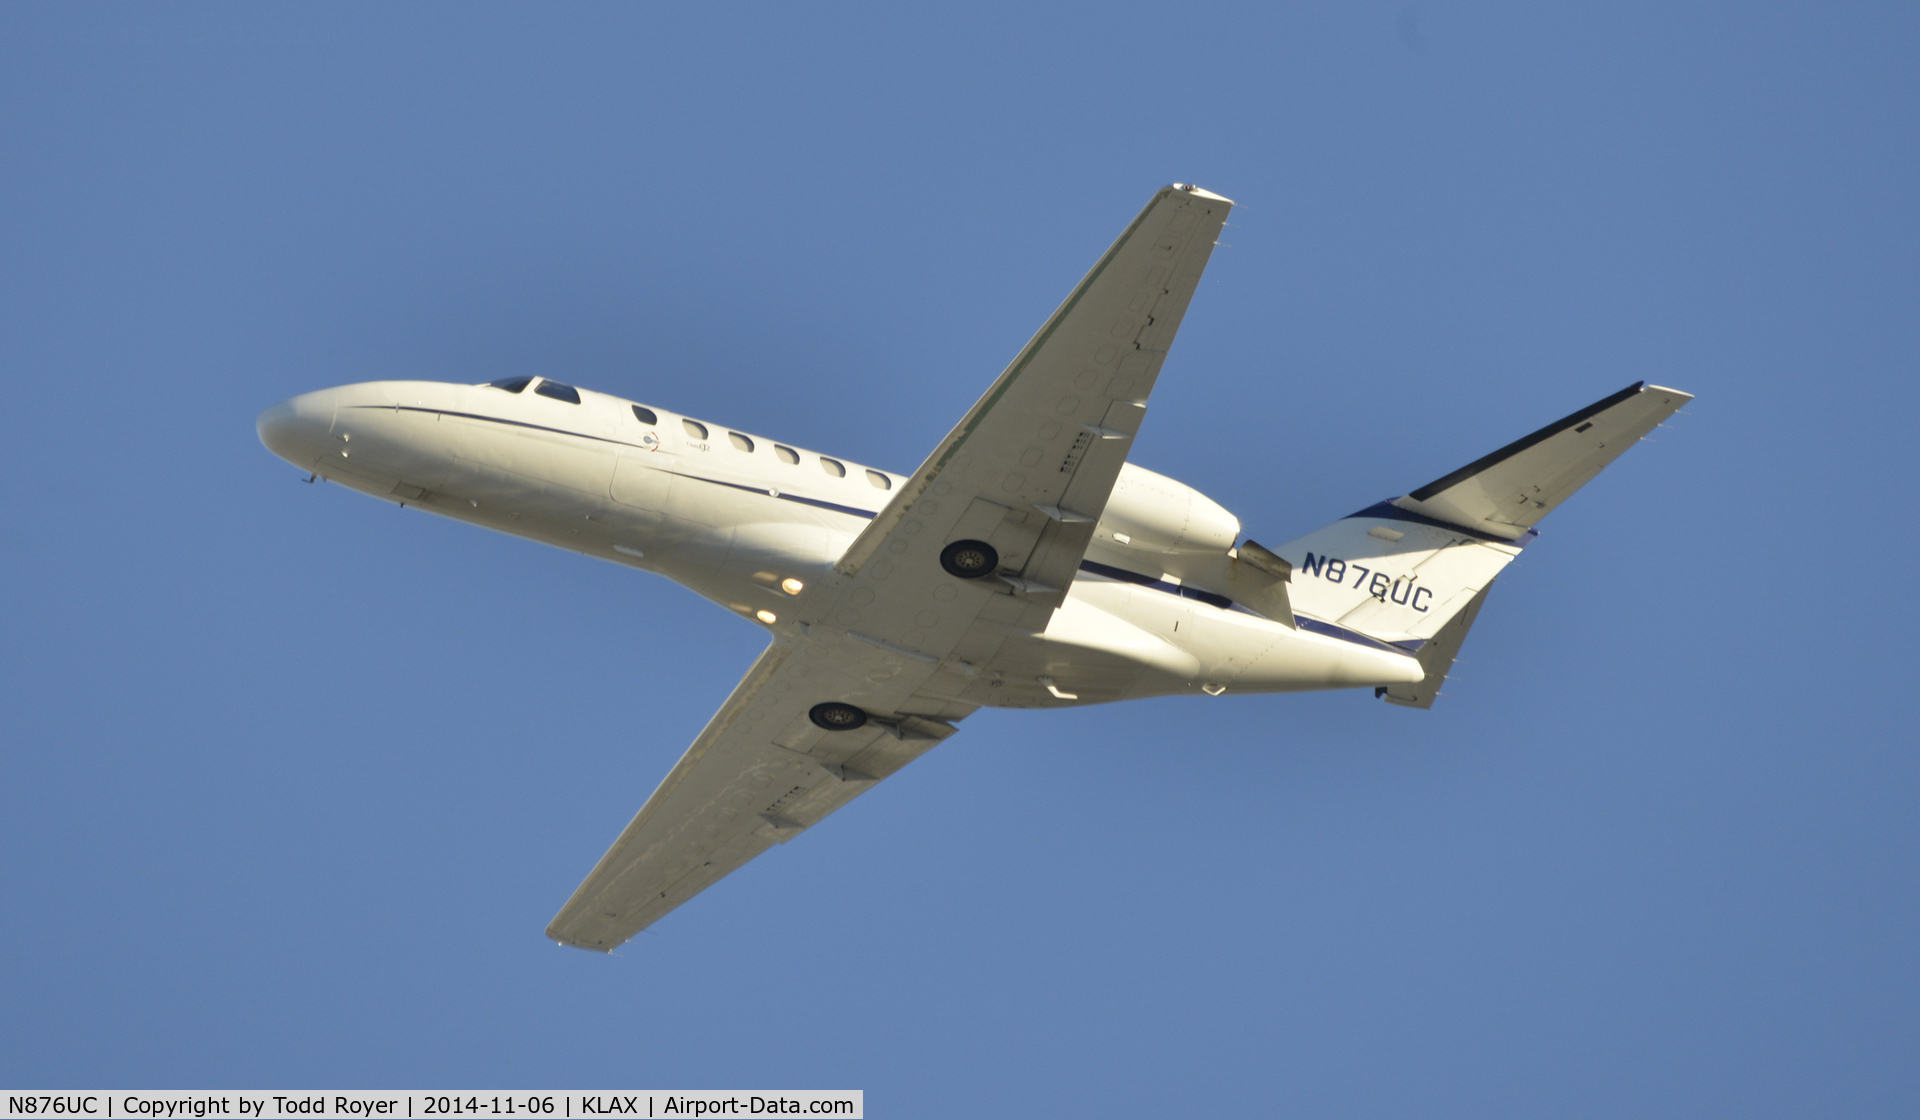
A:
1506, 493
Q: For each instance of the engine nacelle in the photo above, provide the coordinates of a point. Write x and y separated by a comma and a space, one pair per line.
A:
1153, 513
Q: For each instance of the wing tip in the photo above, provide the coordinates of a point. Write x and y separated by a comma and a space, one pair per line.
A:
566, 942
1681, 393
1200, 192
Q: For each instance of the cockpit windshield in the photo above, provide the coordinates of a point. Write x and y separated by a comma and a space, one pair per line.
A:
512, 384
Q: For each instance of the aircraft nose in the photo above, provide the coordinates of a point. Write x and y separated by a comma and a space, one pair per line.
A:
296, 429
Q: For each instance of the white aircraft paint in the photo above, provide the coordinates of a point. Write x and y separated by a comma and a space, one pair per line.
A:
732, 524
1161, 597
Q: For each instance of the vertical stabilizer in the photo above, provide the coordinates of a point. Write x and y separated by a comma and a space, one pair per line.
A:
1412, 572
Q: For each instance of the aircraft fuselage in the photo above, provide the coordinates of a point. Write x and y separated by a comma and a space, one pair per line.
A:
755, 525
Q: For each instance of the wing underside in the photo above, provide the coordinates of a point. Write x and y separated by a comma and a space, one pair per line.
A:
1028, 469
760, 774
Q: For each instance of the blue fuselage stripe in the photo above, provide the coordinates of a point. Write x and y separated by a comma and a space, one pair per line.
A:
782, 495
1312, 625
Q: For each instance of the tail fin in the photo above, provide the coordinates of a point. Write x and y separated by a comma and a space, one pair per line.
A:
1397, 572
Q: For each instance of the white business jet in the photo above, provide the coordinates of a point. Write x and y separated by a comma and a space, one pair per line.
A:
1025, 564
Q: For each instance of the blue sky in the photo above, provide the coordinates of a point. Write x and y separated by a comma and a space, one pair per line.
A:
294, 779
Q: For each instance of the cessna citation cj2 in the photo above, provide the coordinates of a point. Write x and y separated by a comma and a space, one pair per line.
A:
1026, 564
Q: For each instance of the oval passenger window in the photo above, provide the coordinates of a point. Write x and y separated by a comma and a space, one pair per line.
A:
833, 467
880, 481
787, 454
695, 428
645, 415
740, 441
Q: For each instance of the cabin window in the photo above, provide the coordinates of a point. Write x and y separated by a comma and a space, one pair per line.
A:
695, 428
558, 391
833, 467
880, 481
511, 384
645, 415
740, 441
787, 454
